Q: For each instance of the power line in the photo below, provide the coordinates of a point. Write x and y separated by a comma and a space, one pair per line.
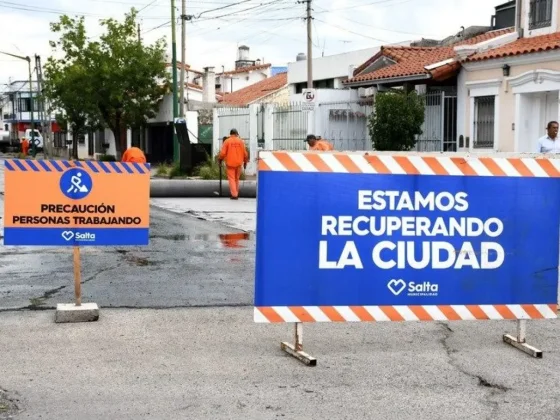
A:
36, 9
163, 25
148, 5
268, 8
263, 5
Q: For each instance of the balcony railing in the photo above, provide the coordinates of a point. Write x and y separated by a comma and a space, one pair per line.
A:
540, 14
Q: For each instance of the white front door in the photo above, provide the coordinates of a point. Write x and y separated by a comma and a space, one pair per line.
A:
534, 111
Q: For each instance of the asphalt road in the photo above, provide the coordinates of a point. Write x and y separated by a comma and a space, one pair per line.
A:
186, 264
214, 362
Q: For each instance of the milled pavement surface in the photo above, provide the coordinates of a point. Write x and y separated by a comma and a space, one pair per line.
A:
213, 362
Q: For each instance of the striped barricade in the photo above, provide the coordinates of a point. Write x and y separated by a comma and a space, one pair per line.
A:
358, 237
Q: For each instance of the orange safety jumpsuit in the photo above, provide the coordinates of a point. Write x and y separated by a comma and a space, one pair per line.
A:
134, 154
25, 146
235, 154
322, 145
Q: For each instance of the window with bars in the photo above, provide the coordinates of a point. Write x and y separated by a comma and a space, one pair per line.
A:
540, 14
484, 107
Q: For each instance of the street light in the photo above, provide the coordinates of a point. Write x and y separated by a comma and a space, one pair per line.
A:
28, 59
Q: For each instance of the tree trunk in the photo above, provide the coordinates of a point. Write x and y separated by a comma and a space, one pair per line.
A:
120, 139
74, 145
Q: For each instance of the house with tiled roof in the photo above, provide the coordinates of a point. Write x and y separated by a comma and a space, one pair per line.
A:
245, 72
270, 90
511, 92
432, 68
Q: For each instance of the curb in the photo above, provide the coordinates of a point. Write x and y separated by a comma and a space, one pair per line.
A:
161, 188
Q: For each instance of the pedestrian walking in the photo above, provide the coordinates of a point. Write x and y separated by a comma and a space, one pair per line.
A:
234, 154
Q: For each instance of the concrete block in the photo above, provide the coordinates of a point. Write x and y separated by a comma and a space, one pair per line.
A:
69, 312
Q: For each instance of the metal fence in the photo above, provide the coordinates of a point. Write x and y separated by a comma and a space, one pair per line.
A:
439, 130
237, 118
345, 124
289, 127
450, 123
431, 138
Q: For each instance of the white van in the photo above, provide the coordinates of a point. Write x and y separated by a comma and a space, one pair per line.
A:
38, 138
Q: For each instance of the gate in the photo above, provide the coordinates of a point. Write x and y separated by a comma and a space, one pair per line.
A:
289, 127
345, 124
229, 118
439, 130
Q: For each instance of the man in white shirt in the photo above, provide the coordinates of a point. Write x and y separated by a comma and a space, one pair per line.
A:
549, 143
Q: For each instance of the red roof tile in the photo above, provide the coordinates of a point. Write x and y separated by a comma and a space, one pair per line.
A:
194, 86
521, 46
256, 91
410, 61
246, 69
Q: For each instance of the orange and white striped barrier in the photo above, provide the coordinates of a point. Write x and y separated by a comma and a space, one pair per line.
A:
396, 313
319, 257
408, 165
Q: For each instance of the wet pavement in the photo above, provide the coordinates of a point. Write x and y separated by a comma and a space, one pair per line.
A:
239, 214
189, 262
215, 362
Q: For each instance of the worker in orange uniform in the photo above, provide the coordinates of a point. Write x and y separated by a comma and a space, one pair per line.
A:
234, 153
318, 144
134, 154
24, 146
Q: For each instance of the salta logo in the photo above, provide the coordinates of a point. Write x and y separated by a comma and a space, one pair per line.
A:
68, 235
413, 289
396, 286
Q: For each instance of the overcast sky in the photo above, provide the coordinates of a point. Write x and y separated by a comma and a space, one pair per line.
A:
273, 29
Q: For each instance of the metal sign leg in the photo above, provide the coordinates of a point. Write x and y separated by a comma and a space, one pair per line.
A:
519, 341
296, 350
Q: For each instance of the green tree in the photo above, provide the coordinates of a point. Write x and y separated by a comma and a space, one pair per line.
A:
122, 82
67, 88
396, 121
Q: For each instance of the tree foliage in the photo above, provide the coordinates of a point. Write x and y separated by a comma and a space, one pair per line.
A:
115, 80
396, 121
66, 87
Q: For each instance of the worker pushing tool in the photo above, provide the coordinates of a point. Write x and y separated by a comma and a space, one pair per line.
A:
134, 154
234, 153
317, 143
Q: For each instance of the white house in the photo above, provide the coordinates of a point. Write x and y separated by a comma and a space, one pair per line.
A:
512, 91
328, 72
245, 73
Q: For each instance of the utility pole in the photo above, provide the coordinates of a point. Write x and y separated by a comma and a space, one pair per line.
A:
44, 116
138, 30
183, 54
309, 48
175, 93
33, 147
